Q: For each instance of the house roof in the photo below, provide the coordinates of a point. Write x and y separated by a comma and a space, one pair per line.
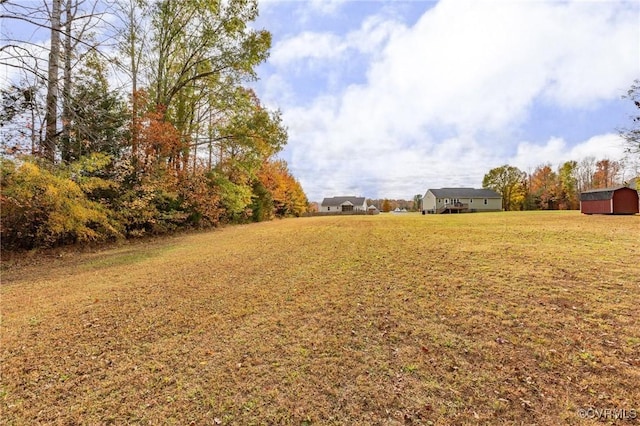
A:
338, 201
464, 193
600, 194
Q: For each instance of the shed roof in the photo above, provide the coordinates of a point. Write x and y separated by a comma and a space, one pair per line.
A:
464, 193
600, 194
338, 201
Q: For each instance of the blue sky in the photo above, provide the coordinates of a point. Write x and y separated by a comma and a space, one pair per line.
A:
390, 98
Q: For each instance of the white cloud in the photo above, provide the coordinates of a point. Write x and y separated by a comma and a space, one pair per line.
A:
443, 100
277, 92
307, 45
327, 46
326, 7
556, 151
373, 33
479, 65
609, 146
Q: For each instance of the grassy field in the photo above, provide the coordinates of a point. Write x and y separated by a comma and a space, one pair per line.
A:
495, 318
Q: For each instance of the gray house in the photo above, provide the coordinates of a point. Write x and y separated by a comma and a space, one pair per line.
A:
457, 200
345, 204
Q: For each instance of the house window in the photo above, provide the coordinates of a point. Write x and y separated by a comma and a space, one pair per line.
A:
446, 201
328, 209
471, 201
347, 208
485, 201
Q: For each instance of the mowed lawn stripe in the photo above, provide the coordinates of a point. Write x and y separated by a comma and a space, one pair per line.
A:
455, 319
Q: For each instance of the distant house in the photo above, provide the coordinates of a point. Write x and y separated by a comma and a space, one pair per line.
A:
621, 200
457, 200
346, 204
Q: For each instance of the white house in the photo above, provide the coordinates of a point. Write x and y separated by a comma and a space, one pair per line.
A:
343, 204
456, 200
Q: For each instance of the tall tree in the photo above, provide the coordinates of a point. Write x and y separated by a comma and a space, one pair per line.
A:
606, 174
67, 29
585, 170
186, 86
417, 202
66, 81
544, 188
278, 192
99, 114
76, 32
508, 181
252, 132
199, 47
51, 115
199, 40
568, 196
132, 44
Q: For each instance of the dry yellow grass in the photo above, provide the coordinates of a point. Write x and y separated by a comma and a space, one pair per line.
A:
506, 318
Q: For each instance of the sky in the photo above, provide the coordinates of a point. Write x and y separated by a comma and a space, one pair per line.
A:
386, 99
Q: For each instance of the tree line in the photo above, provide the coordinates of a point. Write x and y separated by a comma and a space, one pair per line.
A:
547, 188
180, 142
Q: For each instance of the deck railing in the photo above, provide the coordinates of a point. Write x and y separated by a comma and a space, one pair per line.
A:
453, 207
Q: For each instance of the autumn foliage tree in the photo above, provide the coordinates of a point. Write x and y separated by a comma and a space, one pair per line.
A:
568, 194
160, 145
606, 174
544, 188
41, 208
192, 147
509, 182
549, 189
284, 195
